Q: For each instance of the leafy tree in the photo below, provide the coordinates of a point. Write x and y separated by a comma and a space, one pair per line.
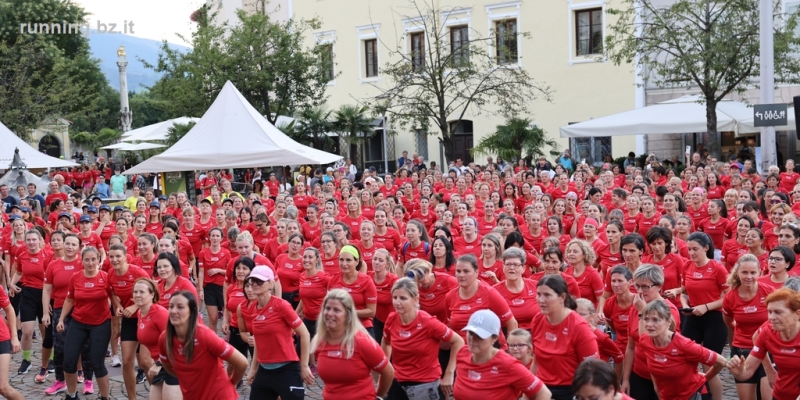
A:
713, 46
353, 125
149, 110
437, 87
176, 132
265, 59
94, 141
517, 137
314, 124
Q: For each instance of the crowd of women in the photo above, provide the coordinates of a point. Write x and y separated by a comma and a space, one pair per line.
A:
479, 284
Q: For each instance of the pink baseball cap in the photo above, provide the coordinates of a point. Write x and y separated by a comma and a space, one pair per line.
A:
262, 273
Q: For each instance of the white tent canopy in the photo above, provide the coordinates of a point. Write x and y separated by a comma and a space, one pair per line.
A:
30, 156
157, 131
232, 134
134, 147
682, 115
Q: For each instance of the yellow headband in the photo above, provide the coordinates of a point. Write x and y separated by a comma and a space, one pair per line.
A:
351, 250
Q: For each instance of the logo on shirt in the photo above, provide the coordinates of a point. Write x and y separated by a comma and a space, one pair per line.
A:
788, 351
623, 318
517, 302
88, 284
474, 375
334, 353
404, 334
550, 336
660, 358
698, 275
565, 332
260, 318
141, 326
34, 259
494, 371
122, 283
429, 296
750, 309
69, 267
479, 300
465, 307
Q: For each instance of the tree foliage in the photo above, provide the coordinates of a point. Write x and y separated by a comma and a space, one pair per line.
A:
439, 87
265, 59
710, 45
515, 139
45, 74
95, 140
313, 126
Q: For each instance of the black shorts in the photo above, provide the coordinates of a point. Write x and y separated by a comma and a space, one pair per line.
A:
165, 378
760, 373
213, 295
30, 306
198, 192
128, 333
5, 347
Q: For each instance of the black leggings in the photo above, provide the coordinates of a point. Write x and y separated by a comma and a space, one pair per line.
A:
284, 382
235, 340
377, 326
708, 330
59, 343
642, 388
98, 337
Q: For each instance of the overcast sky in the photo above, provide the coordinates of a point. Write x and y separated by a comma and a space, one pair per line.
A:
152, 19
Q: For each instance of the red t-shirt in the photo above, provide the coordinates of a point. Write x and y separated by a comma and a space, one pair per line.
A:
589, 282
384, 290
644, 224
496, 268
784, 355
31, 267
368, 254
672, 265
58, 274
502, 377
350, 377
415, 347
697, 215
748, 315
90, 296
148, 267
731, 251
607, 348
715, 230
560, 348
391, 241
607, 260
486, 298
674, 367
150, 327
433, 300
354, 224
92, 240
523, 305
362, 291
273, 326
618, 318
639, 356
408, 252
788, 181
717, 192
312, 292
572, 284
181, 283
706, 284
122, 286
196, 236
462, 247
208, 260
206, 371
5, 334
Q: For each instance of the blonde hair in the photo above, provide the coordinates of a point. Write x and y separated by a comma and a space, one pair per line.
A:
418, 267
588, 253
245, 237
390, 266
352, 325
524, 334
733, 278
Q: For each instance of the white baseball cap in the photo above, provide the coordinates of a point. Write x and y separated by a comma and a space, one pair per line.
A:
483, 323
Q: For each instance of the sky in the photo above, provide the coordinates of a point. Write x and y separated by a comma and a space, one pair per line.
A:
152, 19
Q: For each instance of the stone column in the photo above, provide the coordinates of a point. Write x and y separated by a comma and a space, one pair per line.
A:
125, 114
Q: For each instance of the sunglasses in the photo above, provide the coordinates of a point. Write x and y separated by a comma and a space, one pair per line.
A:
255, 282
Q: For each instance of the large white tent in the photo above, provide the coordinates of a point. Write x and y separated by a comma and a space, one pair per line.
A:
157, 131
232, 134
30, 156
685, 114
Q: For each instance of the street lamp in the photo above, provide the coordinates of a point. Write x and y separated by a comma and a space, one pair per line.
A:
382, 101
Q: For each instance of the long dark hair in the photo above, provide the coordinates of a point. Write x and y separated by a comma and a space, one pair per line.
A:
557, 283
449, 257
188, 346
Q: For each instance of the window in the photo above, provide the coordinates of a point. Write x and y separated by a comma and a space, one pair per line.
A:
589, 31
421, 140
506, 35
592, 149
417, 51
326, 58
791, 8
459, 45
371, 55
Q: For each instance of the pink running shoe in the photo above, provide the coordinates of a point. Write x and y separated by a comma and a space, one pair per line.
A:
57, 387
88, 387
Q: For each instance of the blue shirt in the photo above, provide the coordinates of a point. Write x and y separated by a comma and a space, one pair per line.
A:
103, 191
566, 163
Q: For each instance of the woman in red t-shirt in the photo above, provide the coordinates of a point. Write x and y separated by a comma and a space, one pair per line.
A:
152, 321
581, 258
383, 277
744, 310
289, 266
735, 247
277, 369
417, 245
704, 286
198, 361
595, 379
754, 240
346, 354
561, 337
170, 279
519, 292
778, 339
146, 243
359, 285
412, 339
237, 297
313, 288
86, 303
486, 372
672, 358
490, 266
212, 263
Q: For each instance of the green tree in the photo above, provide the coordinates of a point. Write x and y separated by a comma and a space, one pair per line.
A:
710, 45
515, 139
176, 132
314, 124
94, 141
265, 59
437, 87
353, 125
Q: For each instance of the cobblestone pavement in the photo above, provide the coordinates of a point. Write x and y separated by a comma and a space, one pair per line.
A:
31, 390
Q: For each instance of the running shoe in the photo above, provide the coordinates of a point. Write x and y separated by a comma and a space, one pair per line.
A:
140, 377
51, 367
80, 377
115, 361
41, 376
75, 397
56, 387
88, 387
24, 367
